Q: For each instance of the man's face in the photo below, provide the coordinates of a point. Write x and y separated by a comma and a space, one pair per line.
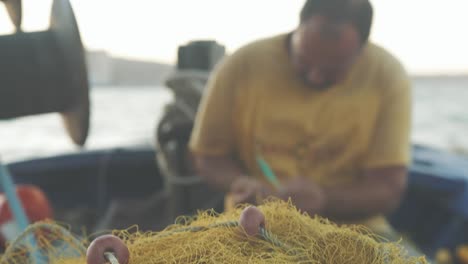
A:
323, 53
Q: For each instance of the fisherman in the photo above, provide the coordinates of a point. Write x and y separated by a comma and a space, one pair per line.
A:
327, 110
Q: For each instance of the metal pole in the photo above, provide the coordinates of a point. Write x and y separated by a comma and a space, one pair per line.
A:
17, 209
13, 200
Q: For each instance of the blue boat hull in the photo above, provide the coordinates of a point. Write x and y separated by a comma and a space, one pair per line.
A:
434, 212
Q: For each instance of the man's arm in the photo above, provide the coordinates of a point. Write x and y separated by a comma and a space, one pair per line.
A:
383, 178
379, 191
218, 171
212, 143
225, 174
384, 169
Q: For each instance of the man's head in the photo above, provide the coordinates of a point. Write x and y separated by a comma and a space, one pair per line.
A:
328, 39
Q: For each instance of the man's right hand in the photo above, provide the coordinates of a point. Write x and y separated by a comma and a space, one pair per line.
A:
247, 190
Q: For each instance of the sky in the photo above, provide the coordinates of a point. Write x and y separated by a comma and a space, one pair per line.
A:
426, 35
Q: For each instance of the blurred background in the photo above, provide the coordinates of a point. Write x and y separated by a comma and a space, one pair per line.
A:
133, 167
132, 46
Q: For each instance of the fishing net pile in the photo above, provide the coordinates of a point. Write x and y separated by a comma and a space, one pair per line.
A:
288, 236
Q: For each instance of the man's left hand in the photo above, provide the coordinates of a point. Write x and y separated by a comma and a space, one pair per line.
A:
305, 195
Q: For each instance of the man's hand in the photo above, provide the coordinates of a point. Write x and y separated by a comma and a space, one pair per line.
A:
305, 195
247, 190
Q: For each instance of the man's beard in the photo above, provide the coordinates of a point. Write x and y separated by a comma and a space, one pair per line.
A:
319, 87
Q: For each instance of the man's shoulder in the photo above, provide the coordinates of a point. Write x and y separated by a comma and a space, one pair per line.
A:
261, 47
385, 73
384, 61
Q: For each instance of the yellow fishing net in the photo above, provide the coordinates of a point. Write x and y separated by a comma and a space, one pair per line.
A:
289, 236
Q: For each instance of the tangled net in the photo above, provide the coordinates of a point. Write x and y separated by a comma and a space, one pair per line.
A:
289, 236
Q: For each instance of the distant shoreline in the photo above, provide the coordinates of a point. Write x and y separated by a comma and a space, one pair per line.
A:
138, 83
440, 76
106, 70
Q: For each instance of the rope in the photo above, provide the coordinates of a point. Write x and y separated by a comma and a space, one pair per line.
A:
291, 237
265, 234
71, 240
111, 258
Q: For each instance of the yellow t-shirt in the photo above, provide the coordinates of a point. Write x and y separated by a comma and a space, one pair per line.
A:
254, 104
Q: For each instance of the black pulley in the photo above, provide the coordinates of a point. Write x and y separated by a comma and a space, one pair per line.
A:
45, 72
14, 11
